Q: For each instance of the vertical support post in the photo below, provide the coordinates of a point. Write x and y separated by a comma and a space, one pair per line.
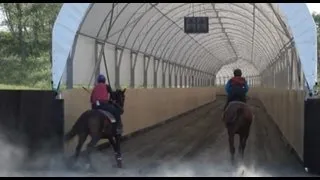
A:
69, 72
203, 79
164, 68
253, 83
117, 68
133, 62
206, 80
195, 78
69, 81
170, 74
146, 61
156, 63
213, 83
181, 71
292, 67
274, 76
186, 77
287, 67
199, 78
191, 78
96, 45
194, 73
176, 71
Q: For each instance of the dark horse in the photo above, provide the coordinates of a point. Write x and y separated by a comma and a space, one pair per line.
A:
238, 118
99, 125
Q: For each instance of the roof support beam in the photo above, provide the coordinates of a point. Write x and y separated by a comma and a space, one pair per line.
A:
253, 30
182, 31
223, 29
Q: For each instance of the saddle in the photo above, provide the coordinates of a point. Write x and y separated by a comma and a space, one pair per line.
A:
109, 116
232, 111
112, 119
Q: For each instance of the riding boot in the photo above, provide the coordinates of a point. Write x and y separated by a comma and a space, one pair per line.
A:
117, 115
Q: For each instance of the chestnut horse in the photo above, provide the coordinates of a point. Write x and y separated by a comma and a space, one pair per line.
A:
92, 122
238, 118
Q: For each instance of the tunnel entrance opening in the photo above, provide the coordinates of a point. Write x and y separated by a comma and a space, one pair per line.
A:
147, 48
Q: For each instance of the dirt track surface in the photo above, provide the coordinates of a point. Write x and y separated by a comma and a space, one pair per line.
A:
196, 145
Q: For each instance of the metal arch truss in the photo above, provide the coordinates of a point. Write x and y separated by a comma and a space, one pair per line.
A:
194, 60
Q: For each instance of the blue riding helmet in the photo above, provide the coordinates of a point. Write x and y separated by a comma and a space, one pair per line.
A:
101, 79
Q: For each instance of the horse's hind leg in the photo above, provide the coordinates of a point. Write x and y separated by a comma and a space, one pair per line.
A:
82, 139
243, 141
95, 137
95, 133
231, 146
242, 144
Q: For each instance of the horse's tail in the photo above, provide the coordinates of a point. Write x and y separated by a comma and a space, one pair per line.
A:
71, 134
240, 112
74, 130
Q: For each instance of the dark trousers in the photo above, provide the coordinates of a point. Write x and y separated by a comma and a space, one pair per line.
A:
235, 97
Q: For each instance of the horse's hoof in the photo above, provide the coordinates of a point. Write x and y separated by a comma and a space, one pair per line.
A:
87, 166
119, 161
119, 164
232, 161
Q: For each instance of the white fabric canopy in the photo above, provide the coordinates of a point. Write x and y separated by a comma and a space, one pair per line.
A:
252, 33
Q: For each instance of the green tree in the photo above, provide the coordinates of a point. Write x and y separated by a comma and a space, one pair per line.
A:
31, 25
316, 17
25, 51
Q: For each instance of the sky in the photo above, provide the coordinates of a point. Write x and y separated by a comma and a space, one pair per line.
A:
314, 7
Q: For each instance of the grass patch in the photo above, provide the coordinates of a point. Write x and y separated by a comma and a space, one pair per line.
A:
16, 87
34, 73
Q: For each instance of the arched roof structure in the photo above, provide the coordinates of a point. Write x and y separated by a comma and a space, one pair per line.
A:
251, 33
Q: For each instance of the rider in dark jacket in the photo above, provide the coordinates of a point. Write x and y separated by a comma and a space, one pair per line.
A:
101, 99
236, 88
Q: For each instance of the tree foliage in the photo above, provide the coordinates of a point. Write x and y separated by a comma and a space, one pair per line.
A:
316, 17
25, 50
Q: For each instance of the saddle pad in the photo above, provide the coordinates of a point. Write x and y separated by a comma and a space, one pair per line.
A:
231, 111
109, 116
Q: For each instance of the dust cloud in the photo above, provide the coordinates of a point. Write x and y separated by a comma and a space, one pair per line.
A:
14, 163
198, 149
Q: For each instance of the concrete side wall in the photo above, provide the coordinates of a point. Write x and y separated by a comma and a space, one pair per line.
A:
286, 108
143, 107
